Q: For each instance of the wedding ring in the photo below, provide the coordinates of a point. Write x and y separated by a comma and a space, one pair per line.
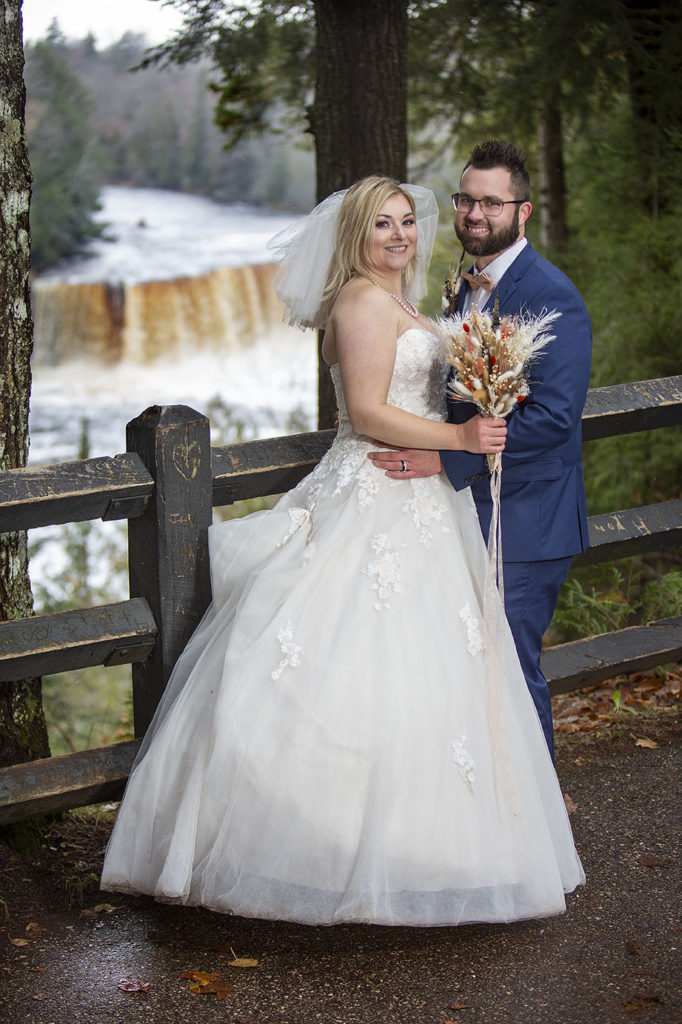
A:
403, 466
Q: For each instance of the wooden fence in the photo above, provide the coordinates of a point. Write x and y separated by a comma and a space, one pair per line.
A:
165, 485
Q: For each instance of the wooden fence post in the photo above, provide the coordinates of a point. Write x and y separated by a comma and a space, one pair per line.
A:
168, 545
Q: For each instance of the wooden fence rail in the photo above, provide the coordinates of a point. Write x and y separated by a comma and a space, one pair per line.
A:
165, 485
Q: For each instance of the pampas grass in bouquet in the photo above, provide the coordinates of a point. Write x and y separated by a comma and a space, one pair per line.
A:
491, 357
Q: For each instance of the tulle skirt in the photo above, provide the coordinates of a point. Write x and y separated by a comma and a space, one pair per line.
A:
331, 747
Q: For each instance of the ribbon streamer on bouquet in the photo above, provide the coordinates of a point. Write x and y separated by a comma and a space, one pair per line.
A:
495, 570
493, 610
493, 601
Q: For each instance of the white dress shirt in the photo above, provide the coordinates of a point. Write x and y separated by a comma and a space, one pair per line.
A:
476, 298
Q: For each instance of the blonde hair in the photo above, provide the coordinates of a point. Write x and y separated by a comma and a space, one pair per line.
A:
355, 235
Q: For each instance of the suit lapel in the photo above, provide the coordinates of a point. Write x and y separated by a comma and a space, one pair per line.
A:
513, 277
509, 283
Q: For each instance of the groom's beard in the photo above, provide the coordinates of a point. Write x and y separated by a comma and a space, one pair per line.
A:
494, 242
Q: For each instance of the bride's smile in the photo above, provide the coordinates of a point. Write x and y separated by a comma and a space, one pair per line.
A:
395, 236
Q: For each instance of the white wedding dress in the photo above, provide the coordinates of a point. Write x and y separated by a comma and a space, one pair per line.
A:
338, 741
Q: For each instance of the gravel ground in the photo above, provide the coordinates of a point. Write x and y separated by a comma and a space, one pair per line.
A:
613, 957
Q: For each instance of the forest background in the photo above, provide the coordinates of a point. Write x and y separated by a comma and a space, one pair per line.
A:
590, 90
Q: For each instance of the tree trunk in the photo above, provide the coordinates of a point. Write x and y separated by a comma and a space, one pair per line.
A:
23, 732
359, 116
553, 227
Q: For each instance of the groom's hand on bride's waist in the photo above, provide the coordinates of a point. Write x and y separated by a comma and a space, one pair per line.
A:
401, 463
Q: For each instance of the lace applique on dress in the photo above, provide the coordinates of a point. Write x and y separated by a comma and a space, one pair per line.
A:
309, 550
298, 518
464, 760
291, 652
368, 484
384, 570
474, 638
425, 509
348, 461
470, 501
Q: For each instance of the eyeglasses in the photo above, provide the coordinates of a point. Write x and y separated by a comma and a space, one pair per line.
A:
489, 206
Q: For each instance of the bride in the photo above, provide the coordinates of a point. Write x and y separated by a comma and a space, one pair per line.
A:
348, 735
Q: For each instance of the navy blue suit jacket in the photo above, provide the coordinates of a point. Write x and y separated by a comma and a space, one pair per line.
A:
543, 509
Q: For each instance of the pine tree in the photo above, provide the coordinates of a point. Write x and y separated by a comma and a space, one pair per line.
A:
65, 172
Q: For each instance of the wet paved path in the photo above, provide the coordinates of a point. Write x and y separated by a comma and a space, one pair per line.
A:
613, 957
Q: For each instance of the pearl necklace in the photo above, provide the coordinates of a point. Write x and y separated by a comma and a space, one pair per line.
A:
408, 306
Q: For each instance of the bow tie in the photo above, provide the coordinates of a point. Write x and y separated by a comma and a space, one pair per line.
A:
479, 281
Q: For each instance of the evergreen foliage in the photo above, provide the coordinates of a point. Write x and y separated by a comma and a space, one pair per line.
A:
66, 177
154, 126
264, 53
604, 77
88, 707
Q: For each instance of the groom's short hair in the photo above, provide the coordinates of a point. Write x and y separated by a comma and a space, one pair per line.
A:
494, 153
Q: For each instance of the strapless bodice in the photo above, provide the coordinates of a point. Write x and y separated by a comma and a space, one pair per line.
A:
418, 381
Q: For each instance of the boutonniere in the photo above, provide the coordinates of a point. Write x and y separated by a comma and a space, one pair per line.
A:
451, 288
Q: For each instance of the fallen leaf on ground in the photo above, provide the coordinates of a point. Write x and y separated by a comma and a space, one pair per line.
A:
19, 942
241, 961
641, 1001
593, 707
33, 928
644, 741
202, 976
90, 913
632, 947
656, 862
571, 805
208, 984
457, 1006
221, 988
133, 985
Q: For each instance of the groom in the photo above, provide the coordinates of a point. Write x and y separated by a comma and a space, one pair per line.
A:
543, 498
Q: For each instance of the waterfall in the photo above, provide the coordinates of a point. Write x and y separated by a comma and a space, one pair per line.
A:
173, 305
226, 309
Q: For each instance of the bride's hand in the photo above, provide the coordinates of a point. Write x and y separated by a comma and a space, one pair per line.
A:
418, 462
483, 434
